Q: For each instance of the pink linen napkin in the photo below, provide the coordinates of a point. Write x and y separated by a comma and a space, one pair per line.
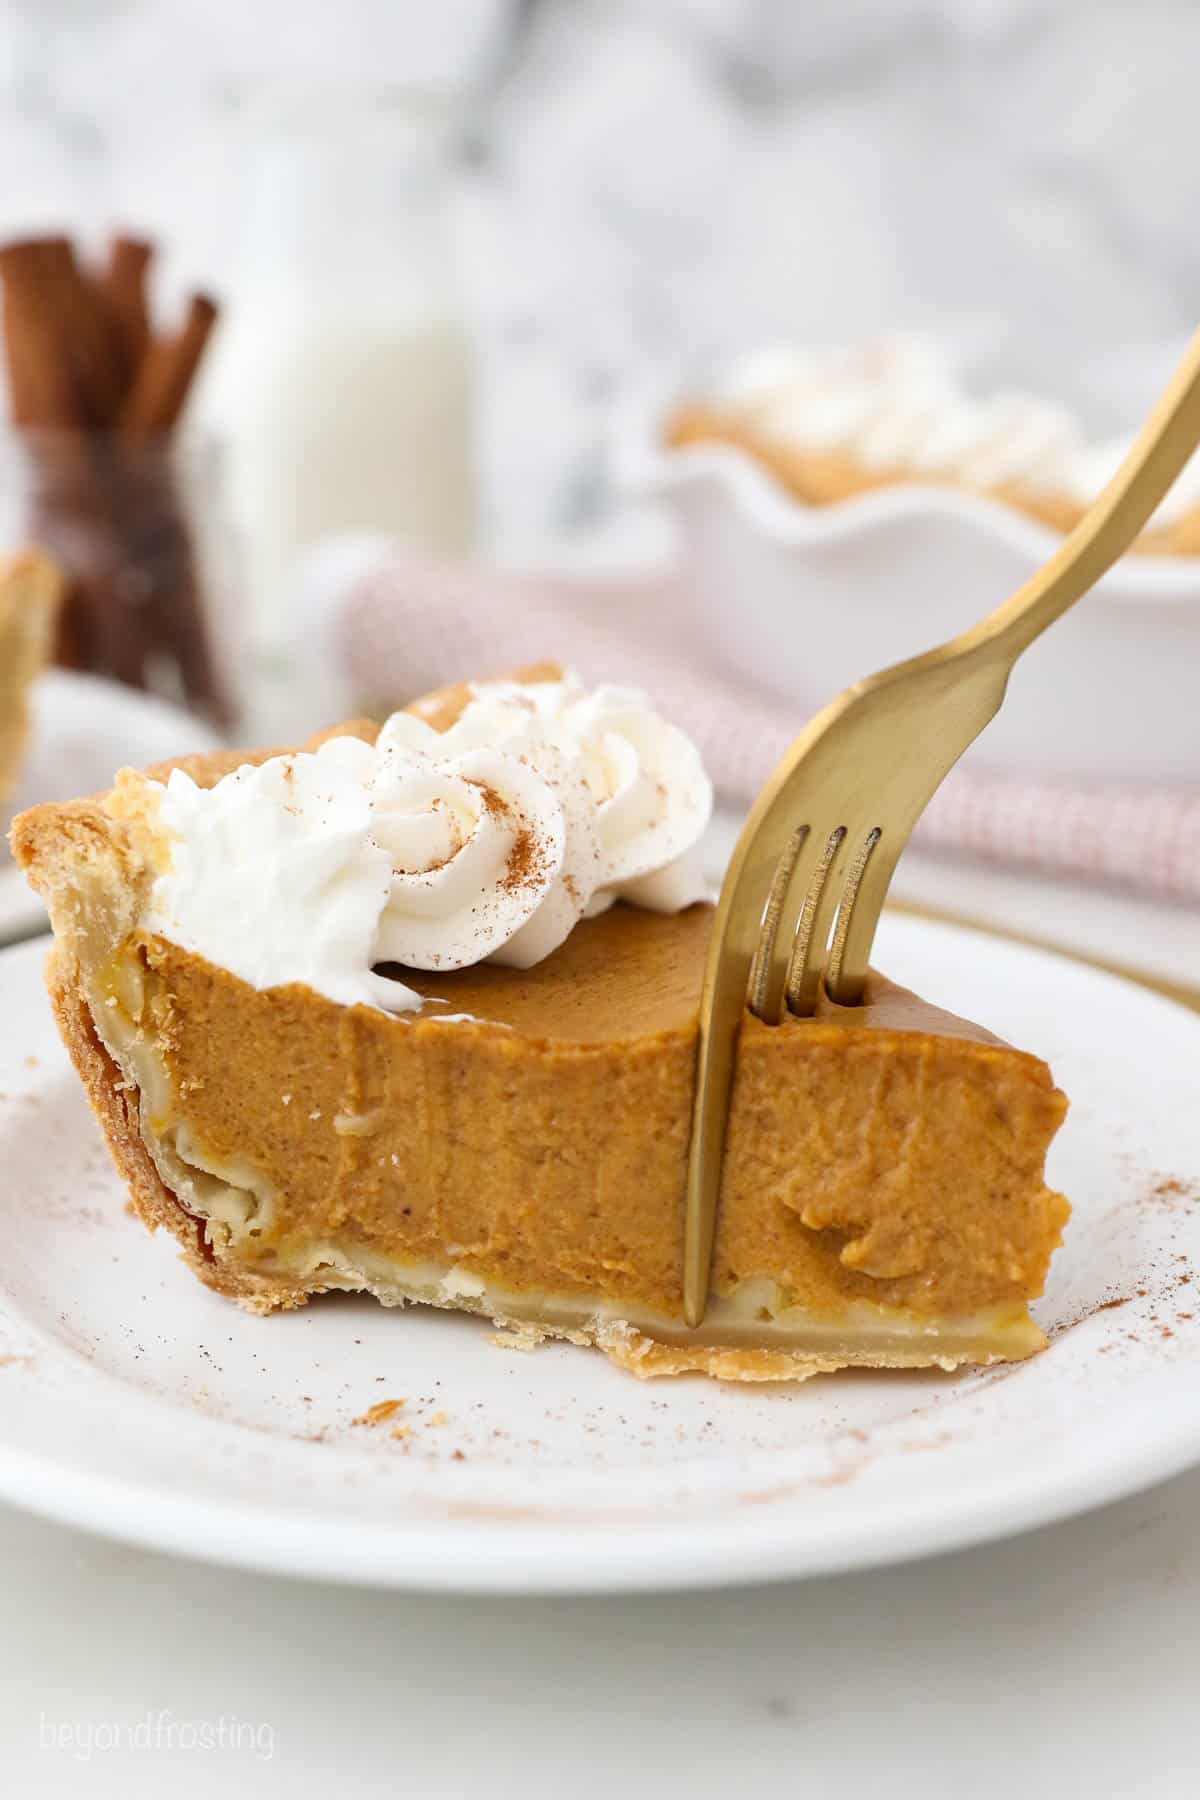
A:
413, 624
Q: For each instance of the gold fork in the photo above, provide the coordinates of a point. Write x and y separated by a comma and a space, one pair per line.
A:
823, 838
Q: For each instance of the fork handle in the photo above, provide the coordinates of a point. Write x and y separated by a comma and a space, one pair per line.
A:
1108, 527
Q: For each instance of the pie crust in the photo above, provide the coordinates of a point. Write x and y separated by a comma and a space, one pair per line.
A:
822, 477
30, 591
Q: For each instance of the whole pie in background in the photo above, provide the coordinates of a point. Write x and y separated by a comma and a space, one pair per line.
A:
828, 424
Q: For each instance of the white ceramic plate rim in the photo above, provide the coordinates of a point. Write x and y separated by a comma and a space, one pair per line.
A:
426, 1558
21, 912
1136, 1445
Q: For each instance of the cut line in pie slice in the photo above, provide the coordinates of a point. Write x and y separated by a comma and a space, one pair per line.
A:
516, 1146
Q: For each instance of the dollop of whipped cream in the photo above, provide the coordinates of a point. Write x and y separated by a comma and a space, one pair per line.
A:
897, 404
543, 803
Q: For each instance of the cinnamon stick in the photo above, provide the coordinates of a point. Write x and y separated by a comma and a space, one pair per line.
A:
42, 389
161, 385
122, 288
45, 400
97, 397
89, 346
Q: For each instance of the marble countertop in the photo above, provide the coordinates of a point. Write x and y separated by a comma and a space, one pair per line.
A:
1063, 1660
1004, 172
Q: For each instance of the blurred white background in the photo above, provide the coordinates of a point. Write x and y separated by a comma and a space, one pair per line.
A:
639, 187
648, 182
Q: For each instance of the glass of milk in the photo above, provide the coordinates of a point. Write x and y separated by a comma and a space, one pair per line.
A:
341, 376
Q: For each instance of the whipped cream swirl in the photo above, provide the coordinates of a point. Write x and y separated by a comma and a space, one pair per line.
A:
896, 404
433, 850
647, 782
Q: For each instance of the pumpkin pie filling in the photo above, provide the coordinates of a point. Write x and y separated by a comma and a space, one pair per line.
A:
515, 1144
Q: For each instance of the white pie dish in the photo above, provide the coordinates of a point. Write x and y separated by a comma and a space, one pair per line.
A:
800, 600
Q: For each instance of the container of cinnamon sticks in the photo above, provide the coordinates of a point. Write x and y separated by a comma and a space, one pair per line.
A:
96, 393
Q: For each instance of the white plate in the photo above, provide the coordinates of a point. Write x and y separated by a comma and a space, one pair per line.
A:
82, 729
134, 1402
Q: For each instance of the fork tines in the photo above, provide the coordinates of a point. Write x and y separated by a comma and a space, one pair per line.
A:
789, 959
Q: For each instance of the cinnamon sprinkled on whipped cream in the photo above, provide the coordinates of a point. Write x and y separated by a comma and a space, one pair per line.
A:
541, 804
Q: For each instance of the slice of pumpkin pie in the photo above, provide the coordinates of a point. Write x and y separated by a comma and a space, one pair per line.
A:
414, 1011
